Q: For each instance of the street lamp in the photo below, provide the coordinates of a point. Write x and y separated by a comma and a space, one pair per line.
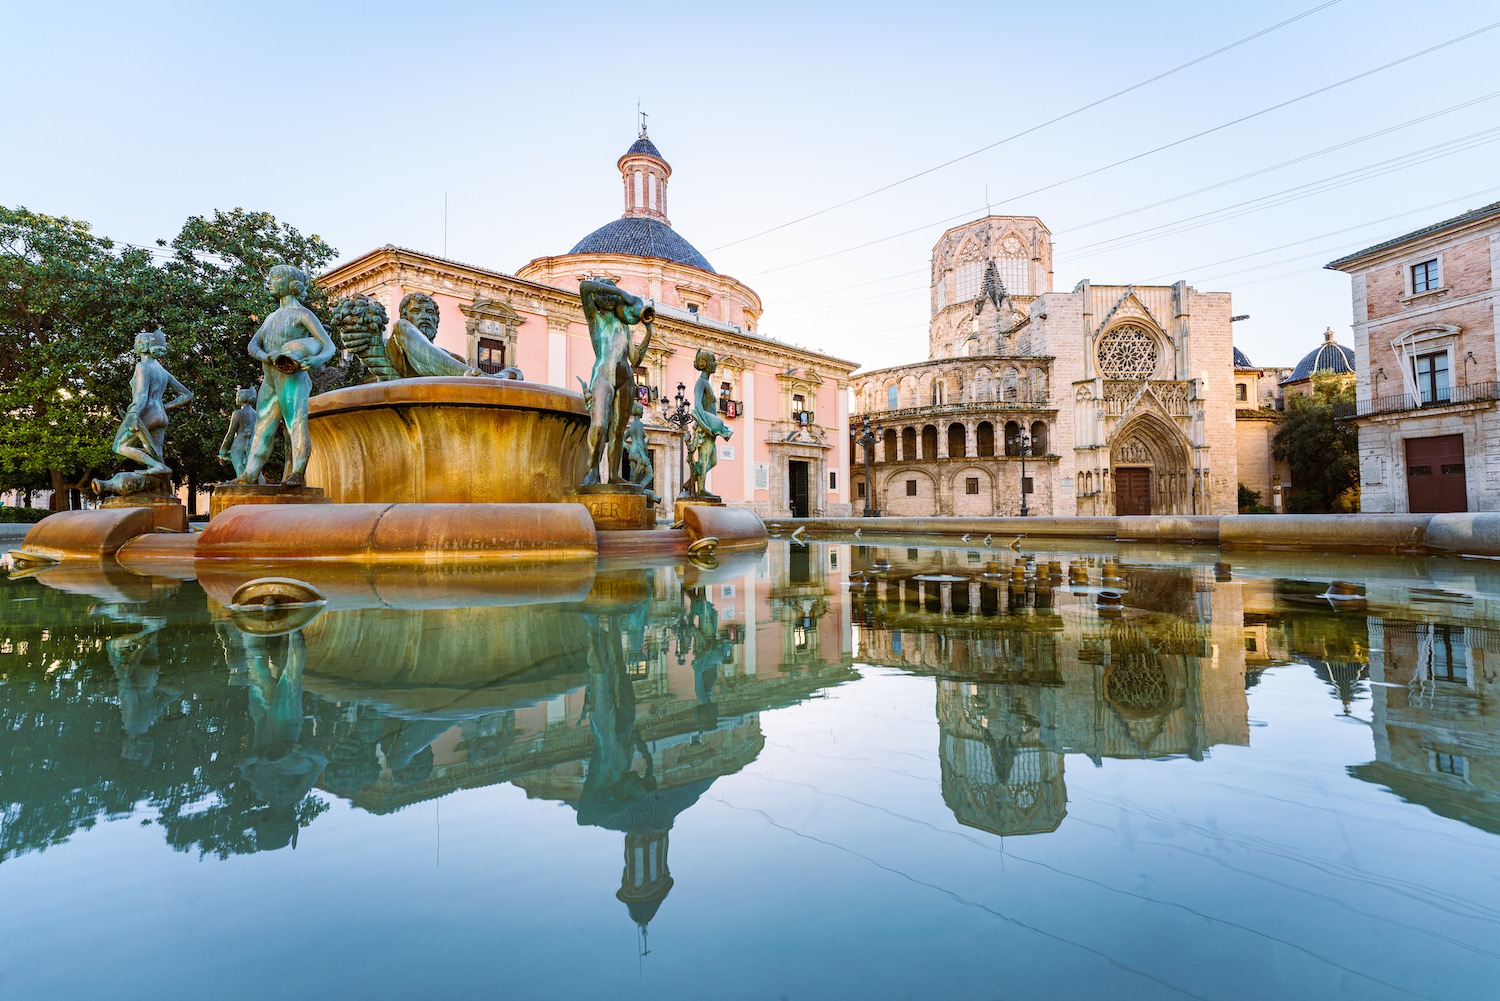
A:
679, 418
1022, 443
868, 440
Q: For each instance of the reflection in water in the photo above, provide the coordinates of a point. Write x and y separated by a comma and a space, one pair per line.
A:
627, 693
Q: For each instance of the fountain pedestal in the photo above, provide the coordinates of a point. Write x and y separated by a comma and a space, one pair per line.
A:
617, 506
227, 495
168, 513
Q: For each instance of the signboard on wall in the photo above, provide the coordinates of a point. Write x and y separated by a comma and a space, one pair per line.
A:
726, 452
762, 476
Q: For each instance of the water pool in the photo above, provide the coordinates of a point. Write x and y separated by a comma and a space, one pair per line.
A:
831, 771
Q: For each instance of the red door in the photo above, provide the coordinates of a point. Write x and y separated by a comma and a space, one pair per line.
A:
1435, 475
1132, 491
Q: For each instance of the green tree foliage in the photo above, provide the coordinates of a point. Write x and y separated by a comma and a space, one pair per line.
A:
71, 303
1323, 454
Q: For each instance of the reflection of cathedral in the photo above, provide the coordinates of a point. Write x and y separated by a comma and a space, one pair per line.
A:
1119, 397
1028, 675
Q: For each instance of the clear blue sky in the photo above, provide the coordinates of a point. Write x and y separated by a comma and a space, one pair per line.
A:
353, 120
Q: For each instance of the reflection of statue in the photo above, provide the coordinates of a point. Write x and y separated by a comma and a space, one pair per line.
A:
135, 662
289, 344
235, 448
280, 771
410, 346
642, 473
610, 394
708, 426
142, 433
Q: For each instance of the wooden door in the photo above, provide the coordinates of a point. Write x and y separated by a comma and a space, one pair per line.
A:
1132, 490
1435, 480
797, 473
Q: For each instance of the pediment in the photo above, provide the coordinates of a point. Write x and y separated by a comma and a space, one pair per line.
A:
1130, 308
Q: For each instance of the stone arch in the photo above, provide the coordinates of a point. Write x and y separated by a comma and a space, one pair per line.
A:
1010, 385
980, 505
984, 439
1012, 438
1040, 439
1150, 442
1036, 385
896, 501
889, 445
908, 391
958, 440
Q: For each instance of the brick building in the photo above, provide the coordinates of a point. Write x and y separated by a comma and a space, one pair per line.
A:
1425, 327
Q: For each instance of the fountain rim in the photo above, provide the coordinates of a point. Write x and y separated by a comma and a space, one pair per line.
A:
461, 391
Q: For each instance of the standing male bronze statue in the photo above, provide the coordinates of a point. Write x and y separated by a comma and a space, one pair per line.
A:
142, 433
610, 394
289, 344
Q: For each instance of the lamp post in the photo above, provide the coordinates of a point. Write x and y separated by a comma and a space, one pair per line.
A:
868, 439
679, 418
1022, 441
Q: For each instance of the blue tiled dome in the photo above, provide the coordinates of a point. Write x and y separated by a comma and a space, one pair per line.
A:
642, 237
645, 145
1240, 361
1327, 358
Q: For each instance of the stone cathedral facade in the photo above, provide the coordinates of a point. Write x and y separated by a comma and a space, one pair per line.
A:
1118, 399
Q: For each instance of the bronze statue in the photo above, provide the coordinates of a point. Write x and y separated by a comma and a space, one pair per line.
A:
708, 426
642, 472
235, 448
142, 433
610, 394
289, 344
409, 351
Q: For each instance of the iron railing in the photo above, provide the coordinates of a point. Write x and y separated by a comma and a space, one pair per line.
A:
1477, 392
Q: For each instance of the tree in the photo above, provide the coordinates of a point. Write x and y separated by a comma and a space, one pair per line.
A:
1322, 453
71, 303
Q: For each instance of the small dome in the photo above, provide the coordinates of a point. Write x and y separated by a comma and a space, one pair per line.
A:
646, 146
641, 236
1327, 358
1240, 361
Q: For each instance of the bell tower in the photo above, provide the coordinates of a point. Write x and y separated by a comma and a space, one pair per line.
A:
644, 174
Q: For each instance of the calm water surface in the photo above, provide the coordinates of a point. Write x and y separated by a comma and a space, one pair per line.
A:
804, 775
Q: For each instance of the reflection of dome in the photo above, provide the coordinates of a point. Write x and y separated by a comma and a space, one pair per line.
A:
642, 236
1240, 361
1327, 358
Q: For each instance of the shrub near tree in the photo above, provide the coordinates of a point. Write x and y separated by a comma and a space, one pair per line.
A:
1322, 454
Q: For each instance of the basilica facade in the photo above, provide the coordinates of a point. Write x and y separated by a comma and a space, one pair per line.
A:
1103, 400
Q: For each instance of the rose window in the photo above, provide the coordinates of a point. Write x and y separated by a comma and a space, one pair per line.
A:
1127, 353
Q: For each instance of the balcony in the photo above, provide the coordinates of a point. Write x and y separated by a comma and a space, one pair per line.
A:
1478, 392
915, 415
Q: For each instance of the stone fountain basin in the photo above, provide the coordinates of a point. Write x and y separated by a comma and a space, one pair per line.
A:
448, 440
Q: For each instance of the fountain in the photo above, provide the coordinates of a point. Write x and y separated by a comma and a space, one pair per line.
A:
432, 463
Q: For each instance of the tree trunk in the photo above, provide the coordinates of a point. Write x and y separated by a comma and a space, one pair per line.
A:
192, 497
59, 499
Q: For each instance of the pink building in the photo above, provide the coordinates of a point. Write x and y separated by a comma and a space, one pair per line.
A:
787, 406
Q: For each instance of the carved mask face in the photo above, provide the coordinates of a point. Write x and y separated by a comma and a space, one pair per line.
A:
422, 313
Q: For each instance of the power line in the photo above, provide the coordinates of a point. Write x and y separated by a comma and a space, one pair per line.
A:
1276, 198
1034, 128
1166, 146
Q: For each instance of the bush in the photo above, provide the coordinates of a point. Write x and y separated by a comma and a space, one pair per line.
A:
22, 515
1250, 502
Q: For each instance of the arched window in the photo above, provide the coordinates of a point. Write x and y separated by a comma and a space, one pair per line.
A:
909, 443
957, 440
1010, 385
1012, 438
929, 442
1039, 438
985, 433
890, 444
892, 397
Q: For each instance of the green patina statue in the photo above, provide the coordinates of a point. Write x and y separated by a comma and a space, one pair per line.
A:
708, 427
289, 344
142, 433
409, 351
610, 393
642, 471
235, 448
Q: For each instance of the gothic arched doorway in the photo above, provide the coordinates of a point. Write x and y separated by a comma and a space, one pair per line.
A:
1151, 468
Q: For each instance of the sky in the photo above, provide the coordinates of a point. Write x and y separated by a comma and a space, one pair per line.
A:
810, 144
